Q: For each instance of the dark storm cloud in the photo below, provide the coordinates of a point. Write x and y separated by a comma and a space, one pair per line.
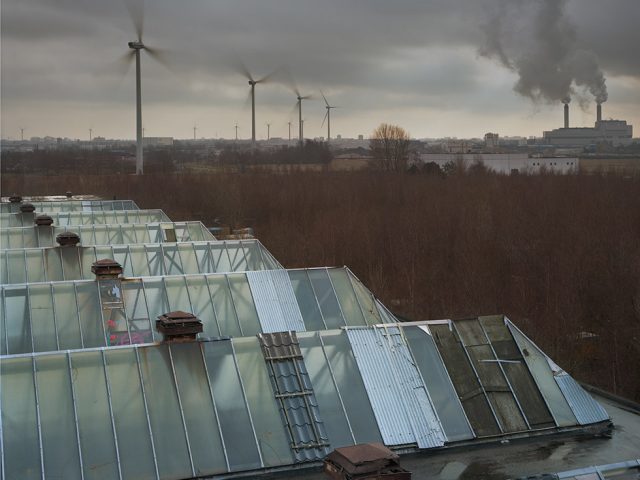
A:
367, 54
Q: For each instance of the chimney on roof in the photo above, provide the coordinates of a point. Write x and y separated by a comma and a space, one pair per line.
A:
27, 208
599, 112
68, 239
69, 194
178, 327
106, 269
43, 220
15, 198
566, 115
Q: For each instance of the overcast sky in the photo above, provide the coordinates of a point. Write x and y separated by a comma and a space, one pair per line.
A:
437, 68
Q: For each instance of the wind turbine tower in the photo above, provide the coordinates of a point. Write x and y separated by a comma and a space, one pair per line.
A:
327, 116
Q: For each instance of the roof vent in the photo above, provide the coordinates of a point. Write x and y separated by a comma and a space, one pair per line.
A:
179, 326
106, 268
69, 194
367, 460
68, 239
27, 208
15, 198
44, 220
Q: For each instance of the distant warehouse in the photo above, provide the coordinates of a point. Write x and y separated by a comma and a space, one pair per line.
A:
506, 163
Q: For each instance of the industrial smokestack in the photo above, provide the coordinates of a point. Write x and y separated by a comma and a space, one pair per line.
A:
566, 115
599, 112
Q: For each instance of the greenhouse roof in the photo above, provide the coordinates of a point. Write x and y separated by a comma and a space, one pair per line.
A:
27, 219
110, 234
181, 410
41, 317
28, 265
65, 205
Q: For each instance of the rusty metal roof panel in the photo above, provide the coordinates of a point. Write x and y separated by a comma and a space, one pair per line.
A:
275, 301
396, 391
584, 407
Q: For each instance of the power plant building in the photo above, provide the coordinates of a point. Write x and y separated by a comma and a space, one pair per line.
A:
615, 132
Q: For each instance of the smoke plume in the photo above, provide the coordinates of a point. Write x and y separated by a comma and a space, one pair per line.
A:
536, 40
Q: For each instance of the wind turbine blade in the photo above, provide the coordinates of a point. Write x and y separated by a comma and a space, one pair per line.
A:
117, 68
324, 98
160, 55
307, 97
247, 101
241, 68
136, 13
325, 118
271, 75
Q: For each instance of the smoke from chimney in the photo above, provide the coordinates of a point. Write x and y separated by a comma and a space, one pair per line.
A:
536, 40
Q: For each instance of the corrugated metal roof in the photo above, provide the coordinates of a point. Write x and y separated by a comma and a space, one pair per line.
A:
397, 393
275, 301
584, 407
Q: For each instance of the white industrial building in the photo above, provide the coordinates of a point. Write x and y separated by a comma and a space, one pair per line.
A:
506, 163
615, 132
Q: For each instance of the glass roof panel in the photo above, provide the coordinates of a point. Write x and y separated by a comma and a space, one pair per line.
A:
62, 219
49, 207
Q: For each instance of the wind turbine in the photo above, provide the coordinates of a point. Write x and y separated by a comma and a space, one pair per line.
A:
327, 116
300, 122
252, 83
137, 17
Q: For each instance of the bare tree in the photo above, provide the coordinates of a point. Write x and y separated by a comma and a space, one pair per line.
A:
389, 145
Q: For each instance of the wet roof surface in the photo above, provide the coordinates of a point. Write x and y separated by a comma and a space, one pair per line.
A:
528, 456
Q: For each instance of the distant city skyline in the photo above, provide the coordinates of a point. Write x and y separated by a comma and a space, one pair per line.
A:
435, 68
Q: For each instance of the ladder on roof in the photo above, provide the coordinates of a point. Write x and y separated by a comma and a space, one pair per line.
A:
294, 394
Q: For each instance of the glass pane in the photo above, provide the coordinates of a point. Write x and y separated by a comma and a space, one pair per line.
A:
94, 419
139, 262
164, 412
367, 302
16, 270
90, 314
205, 259
234, 419
3, 325
202, 306
306, 300
188, 258
156, 260
221, 257
225, 311
136, 455
87, 257
346, 297
178, 294
17, 321
43, 322
19, 421
66, 316
351, 387
236, 254
172, 260
122, 256
204, 436
543, 376
136, 312
59, 440
53, 264
71, 263
34, 267
437, 381
252, 260
267, 421
333, 414
156, 301
326, 298
243, 300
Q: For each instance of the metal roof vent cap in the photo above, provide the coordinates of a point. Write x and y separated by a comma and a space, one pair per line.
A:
106, 268
68, 239
179, 327
43, 220
27, 208
15, 199
69, 194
